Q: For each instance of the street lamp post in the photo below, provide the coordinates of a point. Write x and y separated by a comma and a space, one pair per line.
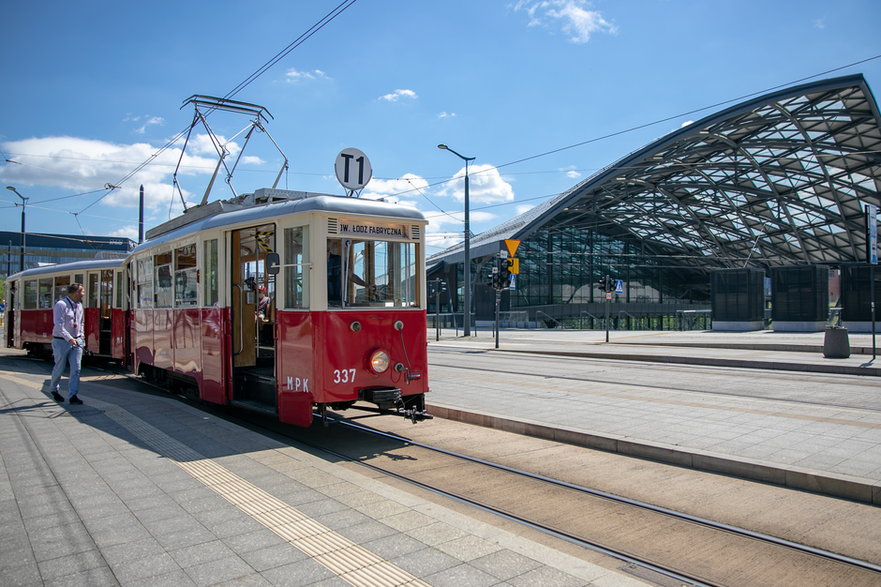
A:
466, 322
24, 202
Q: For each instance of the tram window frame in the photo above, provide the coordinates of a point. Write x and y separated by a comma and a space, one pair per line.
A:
91, 300
120, 288
210, 260
296, 270
144, 283
62, 282
387, 270
105, 296
29, 300
186, 288
45, 293
163, 280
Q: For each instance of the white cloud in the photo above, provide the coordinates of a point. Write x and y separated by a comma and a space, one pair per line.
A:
447, 115
523, 209
294, 75
572, 16
571, 172
146, 121
79, 165
446, 229
398, 94
408, 187
128, 231
486, 186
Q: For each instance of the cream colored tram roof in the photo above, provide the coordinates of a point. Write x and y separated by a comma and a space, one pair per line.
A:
262, 213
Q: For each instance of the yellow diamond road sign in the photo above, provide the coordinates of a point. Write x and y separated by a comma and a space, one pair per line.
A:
512, 246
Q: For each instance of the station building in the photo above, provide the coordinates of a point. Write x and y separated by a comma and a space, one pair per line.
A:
46, 249
765, 198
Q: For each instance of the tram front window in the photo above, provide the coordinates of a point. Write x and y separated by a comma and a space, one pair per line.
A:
379, 274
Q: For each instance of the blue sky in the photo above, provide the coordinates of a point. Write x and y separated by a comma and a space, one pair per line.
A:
93, 90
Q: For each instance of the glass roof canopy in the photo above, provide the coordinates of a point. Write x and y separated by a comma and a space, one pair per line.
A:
777, 180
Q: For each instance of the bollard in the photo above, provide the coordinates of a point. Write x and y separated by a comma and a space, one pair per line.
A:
836, 344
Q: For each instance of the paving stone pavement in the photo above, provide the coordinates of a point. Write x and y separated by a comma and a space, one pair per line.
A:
136, 489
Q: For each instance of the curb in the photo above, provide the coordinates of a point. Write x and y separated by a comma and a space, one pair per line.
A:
710, 361
838, 486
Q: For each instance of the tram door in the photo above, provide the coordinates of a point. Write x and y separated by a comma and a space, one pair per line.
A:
253, 316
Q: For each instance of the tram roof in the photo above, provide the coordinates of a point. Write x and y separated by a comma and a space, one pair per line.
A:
306, 202
779, 179
73, 267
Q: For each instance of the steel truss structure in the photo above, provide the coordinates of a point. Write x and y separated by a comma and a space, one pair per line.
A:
778, 180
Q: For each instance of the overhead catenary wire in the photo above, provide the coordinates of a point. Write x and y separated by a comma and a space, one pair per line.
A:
320, 24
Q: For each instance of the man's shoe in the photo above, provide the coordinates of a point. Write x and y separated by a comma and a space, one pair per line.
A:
57, 397
75, 400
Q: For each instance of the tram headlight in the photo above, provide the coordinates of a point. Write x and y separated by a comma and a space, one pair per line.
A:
379, 361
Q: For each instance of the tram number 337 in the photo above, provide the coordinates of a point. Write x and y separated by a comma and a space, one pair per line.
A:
344, 376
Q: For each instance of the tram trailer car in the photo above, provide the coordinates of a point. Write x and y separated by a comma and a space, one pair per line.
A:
346, 320
32, 293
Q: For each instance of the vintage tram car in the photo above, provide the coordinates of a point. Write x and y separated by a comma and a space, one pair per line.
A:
33, 292
281, 301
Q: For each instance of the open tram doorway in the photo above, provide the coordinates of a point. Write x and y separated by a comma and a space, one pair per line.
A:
100, 297
252, 308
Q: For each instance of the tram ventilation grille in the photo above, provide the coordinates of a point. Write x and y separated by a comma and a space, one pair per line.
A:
415, 232
333, 226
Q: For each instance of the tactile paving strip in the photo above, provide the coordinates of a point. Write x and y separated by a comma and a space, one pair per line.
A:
349, 561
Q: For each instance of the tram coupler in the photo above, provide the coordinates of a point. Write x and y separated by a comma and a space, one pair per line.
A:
417, 413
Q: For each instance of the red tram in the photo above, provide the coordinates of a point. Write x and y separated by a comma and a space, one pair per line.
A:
280, 301
32, 294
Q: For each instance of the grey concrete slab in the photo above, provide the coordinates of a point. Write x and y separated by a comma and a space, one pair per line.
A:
770, 405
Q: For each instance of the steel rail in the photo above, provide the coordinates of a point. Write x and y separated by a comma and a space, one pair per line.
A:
633, 502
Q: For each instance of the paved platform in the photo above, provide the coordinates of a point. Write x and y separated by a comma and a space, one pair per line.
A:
821, 437
138, 489
761, 349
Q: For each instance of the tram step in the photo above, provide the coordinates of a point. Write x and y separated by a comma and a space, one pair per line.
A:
253, 406
255, 386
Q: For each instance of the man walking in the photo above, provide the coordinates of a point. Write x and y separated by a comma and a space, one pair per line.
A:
68, 340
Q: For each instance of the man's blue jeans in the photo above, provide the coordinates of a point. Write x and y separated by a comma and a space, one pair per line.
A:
64, 352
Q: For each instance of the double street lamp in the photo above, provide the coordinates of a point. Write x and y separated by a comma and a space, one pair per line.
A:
466, 323
24, 202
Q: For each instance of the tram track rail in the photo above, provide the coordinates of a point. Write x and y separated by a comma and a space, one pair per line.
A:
774, 550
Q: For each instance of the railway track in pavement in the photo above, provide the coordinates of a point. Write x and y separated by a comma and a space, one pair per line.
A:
668, 543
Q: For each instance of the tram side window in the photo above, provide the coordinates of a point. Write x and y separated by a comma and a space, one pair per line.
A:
185, 292
93, 291
211, 277
61, 283
120, 288
45, 299
30, 294
144, 282
163, 284
106, 297
296, 275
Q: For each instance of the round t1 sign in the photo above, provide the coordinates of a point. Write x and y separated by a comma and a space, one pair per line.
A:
353, 169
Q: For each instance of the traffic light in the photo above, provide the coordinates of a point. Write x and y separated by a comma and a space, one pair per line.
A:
606, 284
504, 273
